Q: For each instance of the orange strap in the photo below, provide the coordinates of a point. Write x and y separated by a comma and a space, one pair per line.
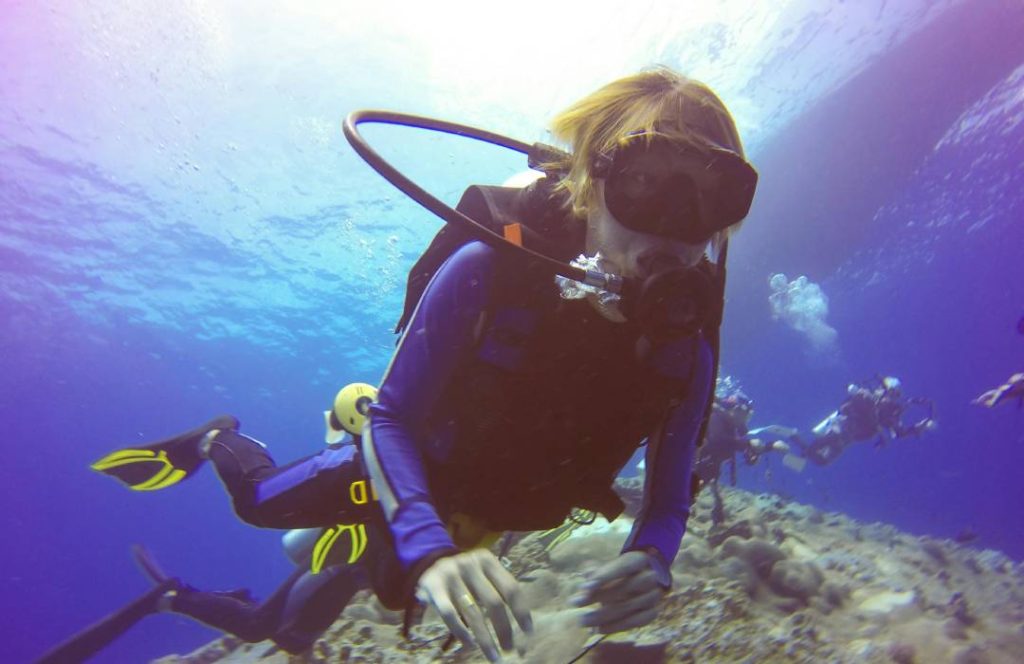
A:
514, 234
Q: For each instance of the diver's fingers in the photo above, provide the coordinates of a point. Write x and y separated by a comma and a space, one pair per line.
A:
490, 599
625, 589
510, 591
625, 565
630, 574
472, 616
610, 617
446, 609
442, 584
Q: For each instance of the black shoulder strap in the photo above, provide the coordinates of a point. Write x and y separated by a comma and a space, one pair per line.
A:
475, 205
712, 334
537, 208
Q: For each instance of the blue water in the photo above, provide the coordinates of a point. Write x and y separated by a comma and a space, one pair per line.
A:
183, 232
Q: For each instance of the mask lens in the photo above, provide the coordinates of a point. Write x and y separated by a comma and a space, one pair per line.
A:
644, 198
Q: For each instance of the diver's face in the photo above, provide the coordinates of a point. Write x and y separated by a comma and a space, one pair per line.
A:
633, 254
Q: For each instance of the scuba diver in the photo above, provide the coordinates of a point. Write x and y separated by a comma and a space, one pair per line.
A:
513, 396
1012, 389
298, 612
873, 411
727, 436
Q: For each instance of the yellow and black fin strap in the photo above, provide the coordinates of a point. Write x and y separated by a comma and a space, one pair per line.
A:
357, 531
163, 478
323, 547
558, 534
582, 517
577, 517
567, 531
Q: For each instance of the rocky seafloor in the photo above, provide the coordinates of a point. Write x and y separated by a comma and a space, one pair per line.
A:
777, 582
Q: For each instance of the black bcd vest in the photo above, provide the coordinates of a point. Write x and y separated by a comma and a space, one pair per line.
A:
554, 398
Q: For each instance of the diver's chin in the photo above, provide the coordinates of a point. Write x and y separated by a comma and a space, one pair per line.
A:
608, 310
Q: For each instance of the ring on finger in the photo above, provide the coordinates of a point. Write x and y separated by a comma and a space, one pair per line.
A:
466, 600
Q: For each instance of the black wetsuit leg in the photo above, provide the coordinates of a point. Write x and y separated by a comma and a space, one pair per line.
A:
314, 603
247, 620
321, 490
295, 615
718, 508
824, 449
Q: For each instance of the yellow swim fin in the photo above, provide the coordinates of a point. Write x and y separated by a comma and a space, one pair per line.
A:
164, 463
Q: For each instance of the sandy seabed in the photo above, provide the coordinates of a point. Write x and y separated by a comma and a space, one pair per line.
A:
777, 582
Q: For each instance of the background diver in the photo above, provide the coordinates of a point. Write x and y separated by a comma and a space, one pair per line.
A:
727, 437
655, 178
302, 607
874, 411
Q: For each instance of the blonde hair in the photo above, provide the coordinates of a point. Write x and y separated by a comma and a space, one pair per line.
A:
657, 101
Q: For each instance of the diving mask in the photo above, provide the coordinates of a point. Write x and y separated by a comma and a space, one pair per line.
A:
647, 199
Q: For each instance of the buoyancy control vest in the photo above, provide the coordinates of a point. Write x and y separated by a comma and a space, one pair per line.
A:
554, 398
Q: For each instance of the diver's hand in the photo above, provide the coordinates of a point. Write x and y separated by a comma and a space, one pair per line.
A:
629, 590
987, 399
470, 588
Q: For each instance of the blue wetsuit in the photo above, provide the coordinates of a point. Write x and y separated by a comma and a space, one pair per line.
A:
505, 404
456, 332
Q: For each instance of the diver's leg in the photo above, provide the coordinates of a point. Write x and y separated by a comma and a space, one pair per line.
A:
383, 568
718, 509
295, 616
817, 452
241, 463
314, 602
321, 490
823, 450
247, 620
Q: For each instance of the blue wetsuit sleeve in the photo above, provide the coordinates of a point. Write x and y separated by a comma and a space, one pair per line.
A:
669, 463
439, 334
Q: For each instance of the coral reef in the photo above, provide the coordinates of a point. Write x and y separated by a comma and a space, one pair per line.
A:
779, 582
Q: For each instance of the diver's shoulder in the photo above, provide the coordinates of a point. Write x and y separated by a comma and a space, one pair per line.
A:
473, 255
470, 266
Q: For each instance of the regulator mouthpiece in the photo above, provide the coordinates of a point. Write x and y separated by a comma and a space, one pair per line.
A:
602, 284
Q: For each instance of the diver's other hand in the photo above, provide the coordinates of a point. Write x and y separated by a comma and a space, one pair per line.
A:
987, 399
470, 588
629, 590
